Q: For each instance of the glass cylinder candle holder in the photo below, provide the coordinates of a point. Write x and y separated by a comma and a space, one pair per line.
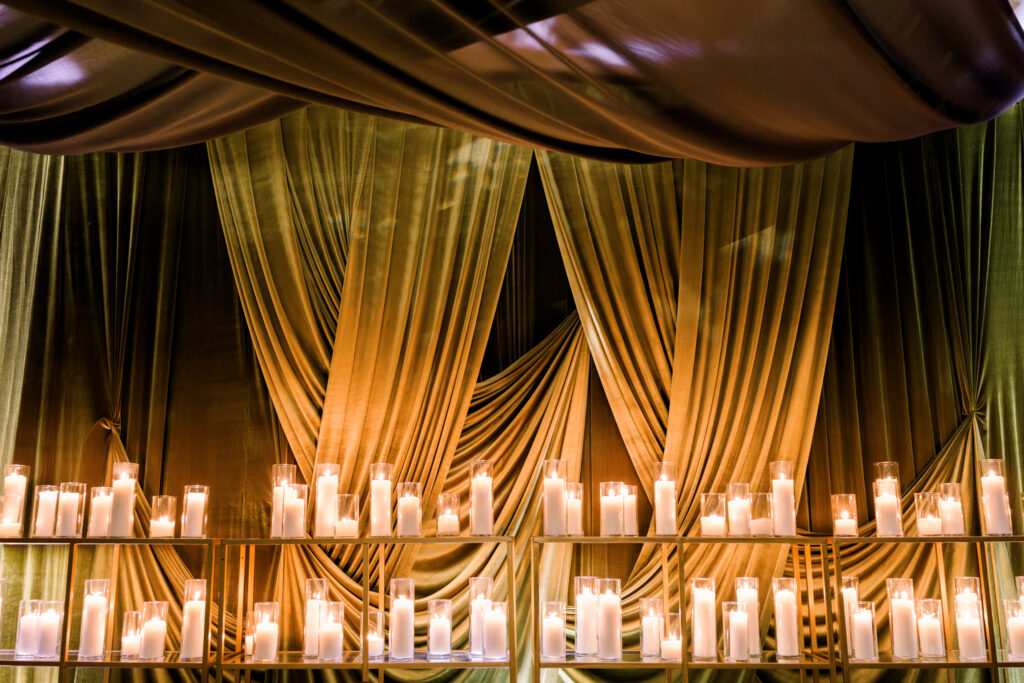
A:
1019, 580
194, 511
266, 632
574, 509
374, 634
665, 499
496, 631
864, 634
315, 593
926, 508
747, 594
553, 497
12, 509
783, 497
193, 620
123, 478
552, 639
735, 630
738, 505
888, 509
101, 499
294, 518
1014, 610
282, 475
611, 508
850, 596
347, 524
586, 615
712, 514
702, 619
331, 631
480, 588
44, 512
481, 498
131, 635
629, 513
250, 632
380, 498
888, 471
95, 606
51, 620
439, 628
672, 640
409, 515
761, 514
154, 630
902, 618
844, 514
27, 640
951, 509
609, 619
995, 503
930, 632
164, 510
325, 483
448, 514
403, 615
970, 617
652, 626
788, 636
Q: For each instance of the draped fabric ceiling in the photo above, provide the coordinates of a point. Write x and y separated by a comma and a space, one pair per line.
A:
730, 82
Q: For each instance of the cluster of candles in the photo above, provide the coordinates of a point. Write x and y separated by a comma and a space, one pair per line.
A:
59, 511
916, 626
939, 513
143, 634
336, 515
740, 512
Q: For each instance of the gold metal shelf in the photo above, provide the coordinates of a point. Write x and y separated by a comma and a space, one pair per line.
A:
292, 660
112, 660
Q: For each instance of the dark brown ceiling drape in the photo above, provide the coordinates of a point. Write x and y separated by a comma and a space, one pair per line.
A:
731, 82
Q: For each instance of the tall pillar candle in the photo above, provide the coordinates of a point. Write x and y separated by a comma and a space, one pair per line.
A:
705, 632
552, 639
283, 476
865, 638
193, 620
611, 508
315, 591
27, 641
295, 497
970, 628
553, 474
951, 509
51, 617
409, 514
609, 619
738, 504
783, 498
851, 596
481, 509
15, 486
629, 513
380, 498
496, 631
100, 501
574, 509
403, 614
665, 499
929, 628
787, 627
1014, 610
586, 615
44, 516
332, 616
479, 600
651, 626
439, 629
92, 635
747, 595
735, 624
995, 504
266, 633
154, 630
325, 477
902, 618
70, 509
122, 509
193, 515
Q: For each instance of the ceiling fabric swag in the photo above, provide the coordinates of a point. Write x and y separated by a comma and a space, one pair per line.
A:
621, 80
728, 378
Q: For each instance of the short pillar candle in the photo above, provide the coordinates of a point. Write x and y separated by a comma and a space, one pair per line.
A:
970, 622
610, 508
70, 510
44, 512
672, 640
480, 588
736, 630
761, 514
101, 498
154, 630
194, 511
888, 512
163, 511
448, 514
250, 632
930, 628
51, 620
865, 636
347, 523
331, 630
409, 513
266, 632
652, 616
439, 628
12, 510
844, 514
552, 640
294, 517
951, 509
131, 635
926, 509
738, 505
11, 526
27, 638
712, 514
375, 633
496, 631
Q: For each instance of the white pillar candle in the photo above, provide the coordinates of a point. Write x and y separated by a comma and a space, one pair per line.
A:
650, 634
552, 643
929, 629
609, 626
611, 514
161, 528
326, 509
850, 598
863, 636
969, 631
761, 526
330, 640
586, 623
951, 512
739, 517
901, 623
482, 510
193, 628
130, 646
665, 507
439, 636
401, 632
574, 516
311, 630
887, 514
1015, 636
49, 634
10, 529
783, 507
374, 645
712, 525
122, 507
67, 514
46, 513
554, 506
993, 499
495, 634
787, 633
154, 635
629, 521
408, 523
477, 610
265, 641
380, 507
748, 596
294, 517
99, 515
14, 495
277, 512
739, 628
94, 626
929, 526
28, 636
195, 512
845, 527
346, 528
705, 633
671, 648
447, 525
